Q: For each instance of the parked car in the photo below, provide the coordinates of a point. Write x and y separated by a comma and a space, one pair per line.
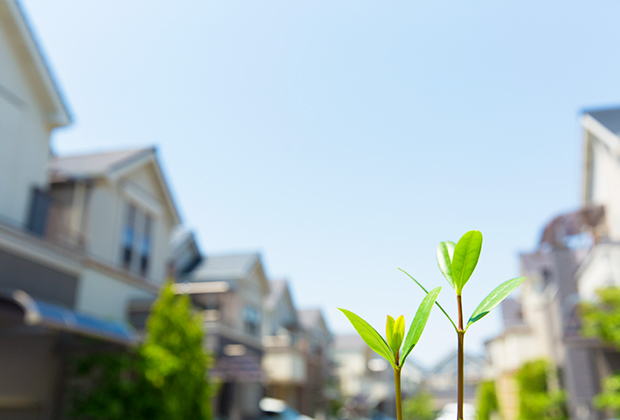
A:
448, 412
274, 409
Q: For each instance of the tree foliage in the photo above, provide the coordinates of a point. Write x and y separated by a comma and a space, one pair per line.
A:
165, 378
536, 400
420, 406
486, 400
601, 319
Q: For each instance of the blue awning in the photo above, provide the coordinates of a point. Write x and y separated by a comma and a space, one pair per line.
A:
37, 312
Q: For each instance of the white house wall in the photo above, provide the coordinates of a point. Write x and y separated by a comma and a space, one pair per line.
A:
605, 184
602, 270
24, 136
107, 297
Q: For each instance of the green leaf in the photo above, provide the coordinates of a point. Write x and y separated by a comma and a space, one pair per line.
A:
419, 322
445, 250
465, 258
494, 298
436, 303
389, 332
395, 332
370, 336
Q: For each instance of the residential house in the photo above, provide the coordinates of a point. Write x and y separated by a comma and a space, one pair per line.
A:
316, 342
81, 238
284, 361
232, 289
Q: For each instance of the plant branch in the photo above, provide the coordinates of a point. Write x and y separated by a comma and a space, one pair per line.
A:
399, 401
461, 360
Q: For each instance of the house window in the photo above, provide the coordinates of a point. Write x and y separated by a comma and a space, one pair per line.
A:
129, 234
251, 320
145, 246
137, 241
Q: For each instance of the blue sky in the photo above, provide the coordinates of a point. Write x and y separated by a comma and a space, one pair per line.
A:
342, 138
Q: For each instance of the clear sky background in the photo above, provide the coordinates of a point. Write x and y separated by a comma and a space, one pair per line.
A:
345, 138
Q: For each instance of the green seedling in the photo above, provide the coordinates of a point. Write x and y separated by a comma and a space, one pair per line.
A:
457, 263
396, 347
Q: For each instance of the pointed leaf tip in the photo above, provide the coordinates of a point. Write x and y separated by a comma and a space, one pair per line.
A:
465, 258
445, 251
494, 298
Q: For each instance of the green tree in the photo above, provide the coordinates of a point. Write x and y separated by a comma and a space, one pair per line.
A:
165, 378
486, 400
420, 406
536, 400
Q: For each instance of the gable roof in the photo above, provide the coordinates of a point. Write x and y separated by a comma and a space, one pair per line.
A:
94, 165
111, 165
277, 289
609, 118
228, 267
13, 20
311, 318
225, 267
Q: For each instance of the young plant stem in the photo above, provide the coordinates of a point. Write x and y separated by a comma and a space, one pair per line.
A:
399, 402
461, 360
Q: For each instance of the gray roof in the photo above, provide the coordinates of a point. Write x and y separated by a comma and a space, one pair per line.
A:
224, 267
276, 291
610, 118
181, 235
309, 317
95, 164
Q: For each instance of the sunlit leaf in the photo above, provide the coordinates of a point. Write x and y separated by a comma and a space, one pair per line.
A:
445, 251
494, 298
398, 334
465, 258
389, 331
436, 303
419, 322
370, 336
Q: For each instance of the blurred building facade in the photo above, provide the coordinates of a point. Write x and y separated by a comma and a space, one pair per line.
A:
263, 345
232, 288
297, 349
578, 254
